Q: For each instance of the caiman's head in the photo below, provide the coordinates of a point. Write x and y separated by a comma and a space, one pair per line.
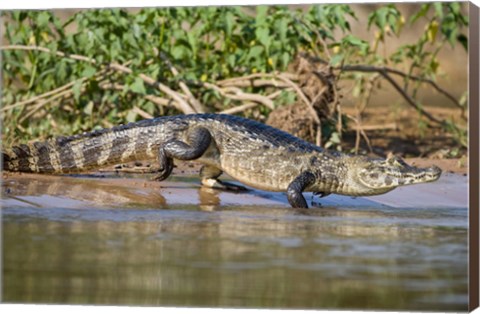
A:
378, 176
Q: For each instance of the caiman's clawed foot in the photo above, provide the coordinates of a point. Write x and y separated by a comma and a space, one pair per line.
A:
209, 175
321, 194
166, 165
218, 184
316, 203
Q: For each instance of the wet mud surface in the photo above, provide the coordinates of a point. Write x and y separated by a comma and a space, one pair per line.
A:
111, 239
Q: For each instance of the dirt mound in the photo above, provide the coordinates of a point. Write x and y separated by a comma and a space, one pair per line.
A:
316, 81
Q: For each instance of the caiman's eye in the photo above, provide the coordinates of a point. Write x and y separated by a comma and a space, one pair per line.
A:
396, 161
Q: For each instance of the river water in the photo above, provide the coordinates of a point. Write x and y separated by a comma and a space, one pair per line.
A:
127, 242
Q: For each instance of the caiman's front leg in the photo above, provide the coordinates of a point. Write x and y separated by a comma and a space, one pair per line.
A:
295, 189
209, 176
198, 141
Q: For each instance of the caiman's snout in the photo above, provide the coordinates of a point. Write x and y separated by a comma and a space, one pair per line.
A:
432, 174
393, 172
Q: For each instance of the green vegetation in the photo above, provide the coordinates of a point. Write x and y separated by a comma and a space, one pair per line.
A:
116, 66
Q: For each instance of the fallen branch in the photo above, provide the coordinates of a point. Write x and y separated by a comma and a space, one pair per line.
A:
238, 94
142, 113
246, 106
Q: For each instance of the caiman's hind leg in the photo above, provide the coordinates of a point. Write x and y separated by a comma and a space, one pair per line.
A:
209, 175
198, 141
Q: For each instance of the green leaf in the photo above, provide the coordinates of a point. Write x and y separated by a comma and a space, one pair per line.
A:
61, 72
192, 40
131, 116
261, 17
229, 22
336, 59
88, 108
282, 30
138, 86
421, 13
89, 71
285, 59
262, 35
149, 107
381, 18
178, 52
438, 6
43, 18
335, 138
352, 40
231, 60
76, 89
255, 52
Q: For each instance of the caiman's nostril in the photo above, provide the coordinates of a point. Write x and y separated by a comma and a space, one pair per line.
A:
435, 170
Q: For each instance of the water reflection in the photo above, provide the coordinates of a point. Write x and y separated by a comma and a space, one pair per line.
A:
229, 256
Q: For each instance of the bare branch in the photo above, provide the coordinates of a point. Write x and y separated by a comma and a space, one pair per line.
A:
240, 95
195, 103
44, 103
183, 105
142, 113
369, 68
152, 98
44, 49
302, 97
254, 83
409, 99
290, 76
99, 74
360, 130
35, 98
241, 108
384, 72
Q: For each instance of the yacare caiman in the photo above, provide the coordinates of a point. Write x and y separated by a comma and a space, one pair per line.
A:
253, 153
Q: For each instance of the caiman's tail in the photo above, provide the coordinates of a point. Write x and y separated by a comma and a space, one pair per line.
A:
82, 152
59, 155
78, 153
41, 157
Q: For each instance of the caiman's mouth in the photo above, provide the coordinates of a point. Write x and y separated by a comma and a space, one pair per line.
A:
393, 172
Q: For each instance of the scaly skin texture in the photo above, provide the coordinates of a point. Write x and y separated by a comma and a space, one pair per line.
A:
253, 153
